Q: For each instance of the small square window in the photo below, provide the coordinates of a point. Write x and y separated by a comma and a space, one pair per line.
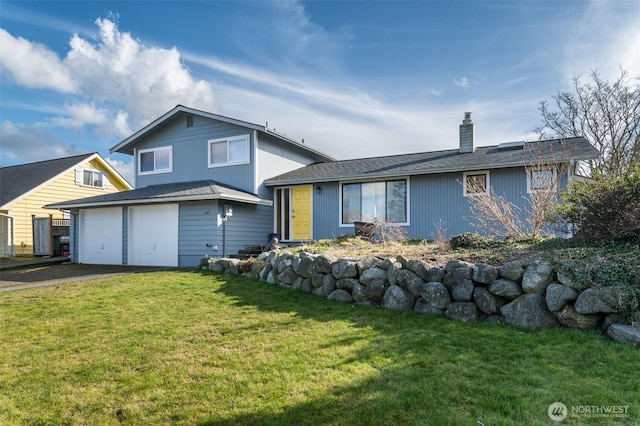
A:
156, 160
541, 180
476, 183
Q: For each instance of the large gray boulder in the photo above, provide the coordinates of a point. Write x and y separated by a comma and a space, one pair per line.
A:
368, 275
393, 272
317, 280
536, 277
487, 302
435, 294
339, 295
462, 290
570, 318
322, 263
418, 267
505, 288
462, 311
435, 274
398, 298
512, 271
424, 307
306, 267
590, 301
457, 264
485, 274
344, 269
457, 275
347, 283
358, 293
375, 290
558, 295
287, 276
528, 311
627, 334
368, 263
410, 282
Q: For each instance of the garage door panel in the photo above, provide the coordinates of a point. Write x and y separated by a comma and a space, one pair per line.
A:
101, 236
153, 235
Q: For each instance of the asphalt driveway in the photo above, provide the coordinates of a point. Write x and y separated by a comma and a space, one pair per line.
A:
46, 275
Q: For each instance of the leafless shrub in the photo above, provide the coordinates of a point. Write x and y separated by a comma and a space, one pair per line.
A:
498, 217
382, 232
441, 235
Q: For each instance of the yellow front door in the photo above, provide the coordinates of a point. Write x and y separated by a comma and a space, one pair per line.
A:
301, 212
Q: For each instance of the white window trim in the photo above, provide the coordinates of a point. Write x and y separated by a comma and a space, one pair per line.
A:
227, 139
479, 172
351, 225
155, 171
554, 177
80, 178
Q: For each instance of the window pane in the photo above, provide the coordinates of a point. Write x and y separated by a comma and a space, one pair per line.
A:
237, 150
163, 160
87, 177
541, 179
476, 184
350, 203
97, 179
397, 201
373, 202
146, 161
218, 152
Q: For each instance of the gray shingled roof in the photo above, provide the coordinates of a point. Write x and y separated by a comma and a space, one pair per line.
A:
489, 157
15, 181
170, 192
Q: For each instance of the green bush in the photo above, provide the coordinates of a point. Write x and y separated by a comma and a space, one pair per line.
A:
604, 207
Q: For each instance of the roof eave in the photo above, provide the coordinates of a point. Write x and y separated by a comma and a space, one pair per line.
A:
270, 183
159, 200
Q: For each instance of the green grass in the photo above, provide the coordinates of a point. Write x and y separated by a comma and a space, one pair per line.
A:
193, 348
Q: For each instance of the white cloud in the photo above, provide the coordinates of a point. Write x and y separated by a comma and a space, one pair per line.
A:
81, 114
124, 168
113, 70
606, 39
146, 81
462, 82
34, 65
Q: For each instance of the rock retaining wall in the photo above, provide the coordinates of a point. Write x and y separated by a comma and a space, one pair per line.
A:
530, 296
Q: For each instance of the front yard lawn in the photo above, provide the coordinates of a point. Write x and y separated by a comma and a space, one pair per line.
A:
182, 347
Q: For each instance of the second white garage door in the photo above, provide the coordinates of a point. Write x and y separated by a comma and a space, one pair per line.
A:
153, 235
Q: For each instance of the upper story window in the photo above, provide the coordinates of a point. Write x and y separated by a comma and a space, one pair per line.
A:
541, 179
228, 151
155, 160
476, 183
91, 177
375, 202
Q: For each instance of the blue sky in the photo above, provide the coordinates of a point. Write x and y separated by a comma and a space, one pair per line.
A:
353, 79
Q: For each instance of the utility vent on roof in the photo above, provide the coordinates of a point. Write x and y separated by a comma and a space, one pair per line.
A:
511, 146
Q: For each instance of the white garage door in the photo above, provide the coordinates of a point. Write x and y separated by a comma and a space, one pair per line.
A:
100, 237
153, 235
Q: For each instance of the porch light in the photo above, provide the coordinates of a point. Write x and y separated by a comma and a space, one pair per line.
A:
318, 189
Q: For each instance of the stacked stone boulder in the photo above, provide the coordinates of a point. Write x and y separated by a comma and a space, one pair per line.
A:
530, 296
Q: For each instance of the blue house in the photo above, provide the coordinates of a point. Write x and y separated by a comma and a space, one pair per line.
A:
199, 190
211, 185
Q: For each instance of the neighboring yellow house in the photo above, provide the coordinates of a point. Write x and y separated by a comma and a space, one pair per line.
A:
26, 188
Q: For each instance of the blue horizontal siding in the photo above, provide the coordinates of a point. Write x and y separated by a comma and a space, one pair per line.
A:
190, 153
436, 203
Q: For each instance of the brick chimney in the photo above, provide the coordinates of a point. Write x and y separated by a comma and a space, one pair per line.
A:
467, 135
